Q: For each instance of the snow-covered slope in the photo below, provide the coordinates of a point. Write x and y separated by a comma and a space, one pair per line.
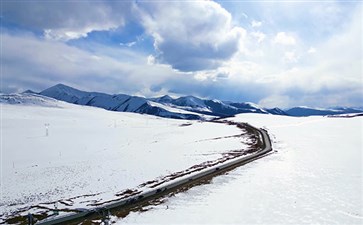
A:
29, 99
121, 103
189, 101
81, 154
185, 105
163, 99
53, 150
306, 111
315, 177
276, 111
126, 103
213, 107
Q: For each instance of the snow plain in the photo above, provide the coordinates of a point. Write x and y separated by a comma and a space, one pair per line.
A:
315, 177
92, 154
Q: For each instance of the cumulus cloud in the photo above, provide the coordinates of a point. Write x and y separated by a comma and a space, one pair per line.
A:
328, 74
66, 20
57, 62
191, 36
195, 49
284, 39
31, 62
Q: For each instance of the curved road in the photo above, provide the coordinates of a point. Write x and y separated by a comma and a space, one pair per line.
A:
164, 189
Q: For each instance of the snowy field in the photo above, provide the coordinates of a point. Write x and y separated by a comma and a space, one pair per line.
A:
55, 151
315, 177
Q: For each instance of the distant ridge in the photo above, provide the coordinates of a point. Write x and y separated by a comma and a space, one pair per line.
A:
120, 102
306, 111
186, 107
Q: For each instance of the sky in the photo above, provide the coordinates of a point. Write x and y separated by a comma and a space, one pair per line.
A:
276, 54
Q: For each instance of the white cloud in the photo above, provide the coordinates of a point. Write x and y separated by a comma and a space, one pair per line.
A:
191, 36
30, 62
150, 60
66, 20
128, 44
290, 57
284, 39
211, 75
281, 101
66, 34
255, 23
311, 50
259, 36
328, 74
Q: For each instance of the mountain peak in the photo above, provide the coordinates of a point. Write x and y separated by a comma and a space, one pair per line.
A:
62, 87
64, 92
29, 92
192, 97
190, 101
163, 99
166, 97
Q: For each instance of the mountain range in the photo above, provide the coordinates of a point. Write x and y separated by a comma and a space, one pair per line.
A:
187, 107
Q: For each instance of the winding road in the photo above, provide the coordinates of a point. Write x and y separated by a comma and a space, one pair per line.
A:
132, 200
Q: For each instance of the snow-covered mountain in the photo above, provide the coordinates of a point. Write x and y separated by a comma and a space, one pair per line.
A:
214, 107
120, 102
187, 107
306, 111
28, 98
276, 111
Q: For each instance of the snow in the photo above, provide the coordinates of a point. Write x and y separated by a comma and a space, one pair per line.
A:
306, 111
172, 109
29, 99
190, 101
96, 152
141, 105
132, 104
315, 177
163, 99
253, 105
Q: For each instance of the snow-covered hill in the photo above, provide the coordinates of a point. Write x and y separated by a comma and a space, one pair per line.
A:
28, 98
54, 151
79, 155
213, 107
306, 111
187, 107
121, 102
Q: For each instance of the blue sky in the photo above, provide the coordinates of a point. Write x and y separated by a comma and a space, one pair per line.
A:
272, 53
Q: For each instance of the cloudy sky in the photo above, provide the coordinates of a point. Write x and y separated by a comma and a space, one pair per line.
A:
274, 54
